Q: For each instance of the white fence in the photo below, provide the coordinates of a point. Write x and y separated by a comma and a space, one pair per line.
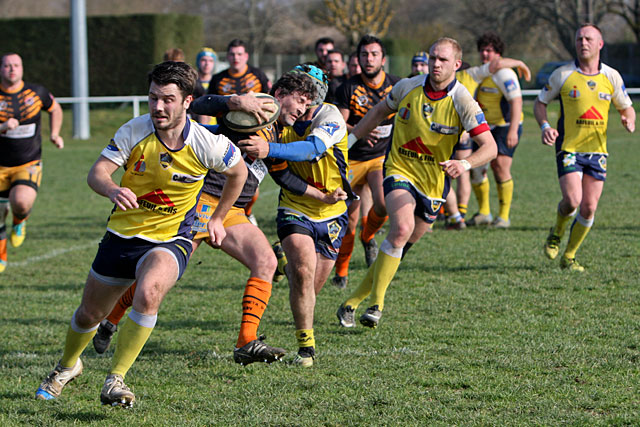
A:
135, 100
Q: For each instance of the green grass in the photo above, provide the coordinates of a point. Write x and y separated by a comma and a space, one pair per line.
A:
479, 328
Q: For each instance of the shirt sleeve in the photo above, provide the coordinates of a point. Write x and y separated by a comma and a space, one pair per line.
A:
329, 126
470, 113
479, 73
122, 143
553, 86
507, 81
620, 97
401, 89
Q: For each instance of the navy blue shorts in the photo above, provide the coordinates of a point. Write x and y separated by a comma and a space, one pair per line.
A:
327, 235
500, 135
426, 209
117, 259
593, 164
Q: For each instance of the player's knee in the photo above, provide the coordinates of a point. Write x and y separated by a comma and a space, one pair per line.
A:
478, 174
264, 265
87, 317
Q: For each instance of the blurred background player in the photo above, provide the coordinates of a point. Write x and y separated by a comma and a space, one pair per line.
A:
322, 47
21, 147
500, 98
240, 78
586, 89
335, 72
173, 54
419, 64
418, 164
205, 65
315, 148
353, 65
355, 98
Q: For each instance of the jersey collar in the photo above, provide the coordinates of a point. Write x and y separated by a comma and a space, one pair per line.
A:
435, 95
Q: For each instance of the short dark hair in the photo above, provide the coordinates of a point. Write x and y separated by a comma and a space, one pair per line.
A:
174, 54
338, 51
324, 40
292, 82
491, 39
236, 43
8, 54
179, 73
369, 39
353, 54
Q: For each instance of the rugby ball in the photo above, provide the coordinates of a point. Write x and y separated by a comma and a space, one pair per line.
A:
240, 121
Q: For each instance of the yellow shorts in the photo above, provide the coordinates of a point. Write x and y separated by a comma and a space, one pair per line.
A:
28, 174
206, 205
358, 170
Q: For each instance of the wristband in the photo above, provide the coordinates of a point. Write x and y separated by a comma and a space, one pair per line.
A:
465, 164
545, 125
351, 140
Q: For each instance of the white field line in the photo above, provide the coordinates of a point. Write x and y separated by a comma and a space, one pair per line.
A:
52, 254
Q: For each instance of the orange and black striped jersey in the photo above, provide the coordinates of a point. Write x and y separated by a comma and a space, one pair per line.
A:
23, 144
251, 80
359, 97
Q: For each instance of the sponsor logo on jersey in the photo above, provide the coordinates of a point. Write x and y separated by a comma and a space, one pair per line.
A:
480, 118
250, 84
187, 179
3, 105
330, 128
226, 88
489, 89
574, 93
546, 87
30, 101
416, 149
510, 85
427, 110
444, 129
592, 85
158, 202
333, 229
230, 154
165, 160
591, 117
404, 113
140, 166
362, 100
604, 96
112, 146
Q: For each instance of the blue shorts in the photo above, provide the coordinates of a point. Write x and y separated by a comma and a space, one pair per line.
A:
466, 145
327, 235
118, 259
500, 133
593, 164
426, 209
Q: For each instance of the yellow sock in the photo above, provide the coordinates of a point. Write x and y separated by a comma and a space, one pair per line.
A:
561, 224
505, 195
363, 290
305, 338
131, 338
386, 267
482, 195
462, 208
74, 346
579, 231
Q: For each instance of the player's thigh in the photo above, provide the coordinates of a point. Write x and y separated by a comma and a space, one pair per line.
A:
301, 256
401, 206
248, 244
98, 299
571, 188
156, 274
375, 178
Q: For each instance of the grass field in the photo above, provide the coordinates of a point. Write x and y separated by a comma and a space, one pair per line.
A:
479, 328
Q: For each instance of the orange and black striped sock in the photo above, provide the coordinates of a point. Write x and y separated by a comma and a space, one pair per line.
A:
374, 223
125, 301
254, 302
344, 256
249, 206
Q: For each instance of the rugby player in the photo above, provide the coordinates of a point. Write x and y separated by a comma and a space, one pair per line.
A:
586, 89
432, 111
148, 238
21, 147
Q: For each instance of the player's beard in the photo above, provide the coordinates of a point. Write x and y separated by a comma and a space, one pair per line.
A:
372, 74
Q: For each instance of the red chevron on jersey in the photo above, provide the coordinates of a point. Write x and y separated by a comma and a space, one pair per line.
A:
592, 114
157, 197
418, 146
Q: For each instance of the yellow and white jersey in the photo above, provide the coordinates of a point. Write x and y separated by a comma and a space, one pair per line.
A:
326, 173
427, 126
584, 102
471, 77
167, 182
494, 94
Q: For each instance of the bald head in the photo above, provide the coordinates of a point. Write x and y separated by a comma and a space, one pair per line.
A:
588, 43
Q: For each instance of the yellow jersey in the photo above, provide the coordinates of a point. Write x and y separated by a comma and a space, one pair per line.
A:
166, 182
584, 102
495, 92
427, 126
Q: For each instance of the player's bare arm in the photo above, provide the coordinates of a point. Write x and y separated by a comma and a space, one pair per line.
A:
514, 121
236, 177
499, 63
100, 181
549, 134
55, 124
487, 151
370, 121
628, 118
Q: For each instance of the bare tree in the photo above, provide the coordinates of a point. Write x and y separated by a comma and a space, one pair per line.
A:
355, 18
629, 10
